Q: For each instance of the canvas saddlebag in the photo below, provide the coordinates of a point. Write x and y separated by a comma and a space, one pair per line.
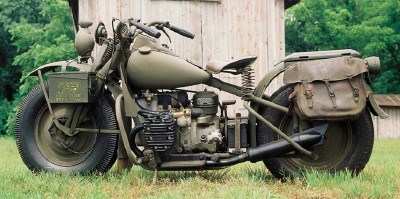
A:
327, 89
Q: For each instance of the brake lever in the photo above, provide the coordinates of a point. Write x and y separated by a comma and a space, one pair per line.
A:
161, 27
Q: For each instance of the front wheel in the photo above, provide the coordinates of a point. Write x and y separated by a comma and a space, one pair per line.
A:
45, 148
347, 144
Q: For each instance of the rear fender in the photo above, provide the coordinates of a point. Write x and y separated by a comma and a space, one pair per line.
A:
63, 64
267, 79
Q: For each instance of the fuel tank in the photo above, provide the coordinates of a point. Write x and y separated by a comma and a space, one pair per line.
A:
148, 68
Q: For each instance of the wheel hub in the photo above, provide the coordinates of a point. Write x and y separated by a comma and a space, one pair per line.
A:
56, 146
336, 147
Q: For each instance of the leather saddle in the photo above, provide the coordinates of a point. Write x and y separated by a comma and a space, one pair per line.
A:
233, 67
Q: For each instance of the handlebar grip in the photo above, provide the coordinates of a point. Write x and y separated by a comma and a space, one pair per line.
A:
182, 32
147, 29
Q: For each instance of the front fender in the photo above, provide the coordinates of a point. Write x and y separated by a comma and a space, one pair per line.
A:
64, 64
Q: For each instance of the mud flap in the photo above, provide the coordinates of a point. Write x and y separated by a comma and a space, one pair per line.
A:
372, 105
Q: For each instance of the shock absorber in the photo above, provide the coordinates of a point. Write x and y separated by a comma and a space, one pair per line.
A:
104, 54
108, 53
247, 82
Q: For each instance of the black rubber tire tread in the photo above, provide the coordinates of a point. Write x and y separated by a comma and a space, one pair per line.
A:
101, 158
354, 162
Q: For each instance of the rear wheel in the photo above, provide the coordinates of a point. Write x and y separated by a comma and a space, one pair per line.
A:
347, 144
45, 148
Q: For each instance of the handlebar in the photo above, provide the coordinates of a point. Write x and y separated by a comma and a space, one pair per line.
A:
180, 31
148, 30
152, 32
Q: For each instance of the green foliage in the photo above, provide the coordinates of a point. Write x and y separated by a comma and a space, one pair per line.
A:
370, 27
5, 110
12, 12
47, 40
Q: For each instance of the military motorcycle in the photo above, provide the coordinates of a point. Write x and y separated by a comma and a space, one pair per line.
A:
128, 104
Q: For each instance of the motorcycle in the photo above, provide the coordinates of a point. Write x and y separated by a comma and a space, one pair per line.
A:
127, 104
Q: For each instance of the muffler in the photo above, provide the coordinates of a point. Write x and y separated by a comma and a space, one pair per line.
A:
307, 139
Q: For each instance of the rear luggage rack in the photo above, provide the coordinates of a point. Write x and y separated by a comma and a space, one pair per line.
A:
301, 56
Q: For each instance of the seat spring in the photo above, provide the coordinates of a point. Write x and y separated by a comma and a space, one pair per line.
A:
247, 82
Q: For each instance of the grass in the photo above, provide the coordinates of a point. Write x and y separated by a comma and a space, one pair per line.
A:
380, 179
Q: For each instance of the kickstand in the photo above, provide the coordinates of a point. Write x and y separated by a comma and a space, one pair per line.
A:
155, 176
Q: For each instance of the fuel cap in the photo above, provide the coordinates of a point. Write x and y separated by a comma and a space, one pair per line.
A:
144, 50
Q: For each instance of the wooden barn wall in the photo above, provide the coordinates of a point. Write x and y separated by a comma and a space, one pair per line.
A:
389, 127
225, 30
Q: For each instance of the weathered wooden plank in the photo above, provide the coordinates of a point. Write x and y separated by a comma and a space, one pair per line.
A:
244, 24
375, 123
102, 13
125, 9
135, 8
280, 37
218, 37
192, 0
389, 128
82, 9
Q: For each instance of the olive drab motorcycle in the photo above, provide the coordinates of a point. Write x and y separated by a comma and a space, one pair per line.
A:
127, 104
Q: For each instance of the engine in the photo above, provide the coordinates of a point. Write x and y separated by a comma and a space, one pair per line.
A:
160, 131
172, 124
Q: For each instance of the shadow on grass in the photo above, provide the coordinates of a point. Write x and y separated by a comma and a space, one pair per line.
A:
249, 172
257, 173
178, 176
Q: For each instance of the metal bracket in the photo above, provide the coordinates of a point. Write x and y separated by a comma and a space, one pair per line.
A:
237, 133
119, 107
130, 105
280, 133
253, 98
75, 118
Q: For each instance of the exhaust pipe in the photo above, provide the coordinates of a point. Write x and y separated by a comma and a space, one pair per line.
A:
308, 138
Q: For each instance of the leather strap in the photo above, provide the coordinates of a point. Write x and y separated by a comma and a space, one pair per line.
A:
308, 93
331, 93
356, 91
